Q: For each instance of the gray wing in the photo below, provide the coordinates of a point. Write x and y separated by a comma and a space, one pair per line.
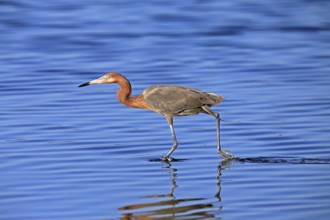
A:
178, 100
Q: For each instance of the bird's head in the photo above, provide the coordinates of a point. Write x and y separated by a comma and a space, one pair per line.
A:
111, 77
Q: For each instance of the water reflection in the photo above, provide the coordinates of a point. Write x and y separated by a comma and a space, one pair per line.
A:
173, 207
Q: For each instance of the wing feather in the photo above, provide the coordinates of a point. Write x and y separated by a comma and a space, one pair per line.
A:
175, 99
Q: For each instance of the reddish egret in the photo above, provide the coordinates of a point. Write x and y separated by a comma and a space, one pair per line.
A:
168, 100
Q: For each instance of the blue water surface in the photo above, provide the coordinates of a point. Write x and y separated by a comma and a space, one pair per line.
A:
77, 153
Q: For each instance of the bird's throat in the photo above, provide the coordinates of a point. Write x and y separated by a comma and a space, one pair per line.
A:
124, 96
124, 92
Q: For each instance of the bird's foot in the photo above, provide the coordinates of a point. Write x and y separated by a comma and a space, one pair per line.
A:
226, 154
166, 159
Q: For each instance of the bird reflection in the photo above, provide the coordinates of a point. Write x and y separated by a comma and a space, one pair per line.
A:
223, 165
171, 207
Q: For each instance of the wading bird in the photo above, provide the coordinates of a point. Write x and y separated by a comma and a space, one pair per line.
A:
168, 100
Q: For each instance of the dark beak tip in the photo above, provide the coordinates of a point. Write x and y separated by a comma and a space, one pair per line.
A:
84, 84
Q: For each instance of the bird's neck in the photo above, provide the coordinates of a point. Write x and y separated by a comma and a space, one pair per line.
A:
124, 95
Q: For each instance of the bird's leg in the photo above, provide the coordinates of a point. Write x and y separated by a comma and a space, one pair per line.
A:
223, 153
175, 142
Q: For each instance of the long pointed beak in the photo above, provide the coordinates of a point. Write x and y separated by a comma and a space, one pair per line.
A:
95, 81
84, 84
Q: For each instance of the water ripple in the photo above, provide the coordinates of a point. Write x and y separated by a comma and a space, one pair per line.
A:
65, 148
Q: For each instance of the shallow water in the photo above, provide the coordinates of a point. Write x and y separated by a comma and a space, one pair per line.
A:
77, 153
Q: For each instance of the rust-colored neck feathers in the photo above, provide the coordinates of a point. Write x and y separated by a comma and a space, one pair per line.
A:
124, 94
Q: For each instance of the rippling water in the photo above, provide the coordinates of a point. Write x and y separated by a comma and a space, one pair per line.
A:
77, 153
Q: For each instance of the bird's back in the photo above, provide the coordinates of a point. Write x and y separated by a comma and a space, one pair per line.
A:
178, 100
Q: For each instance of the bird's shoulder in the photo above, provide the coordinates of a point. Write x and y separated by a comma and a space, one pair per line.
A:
165, 89
171, 92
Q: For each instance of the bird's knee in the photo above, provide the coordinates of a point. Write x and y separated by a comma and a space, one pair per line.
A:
175, 144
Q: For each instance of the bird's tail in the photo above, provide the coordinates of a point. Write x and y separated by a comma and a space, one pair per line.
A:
215, 98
